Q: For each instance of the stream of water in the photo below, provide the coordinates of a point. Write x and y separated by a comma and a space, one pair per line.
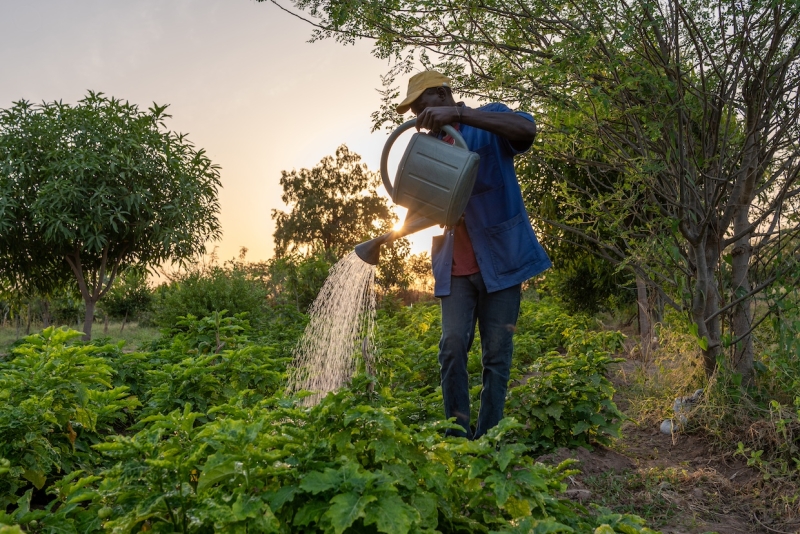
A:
340, 329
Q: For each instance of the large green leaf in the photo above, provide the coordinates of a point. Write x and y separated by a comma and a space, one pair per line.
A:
224, 471
316, 482
346, 508
391, 515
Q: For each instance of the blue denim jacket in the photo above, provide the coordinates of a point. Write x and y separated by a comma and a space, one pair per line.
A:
505, 245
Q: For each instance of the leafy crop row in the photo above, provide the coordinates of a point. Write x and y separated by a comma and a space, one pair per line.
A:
196, 435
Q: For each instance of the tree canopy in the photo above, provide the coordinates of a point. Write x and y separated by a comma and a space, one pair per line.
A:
333, 207
92, 188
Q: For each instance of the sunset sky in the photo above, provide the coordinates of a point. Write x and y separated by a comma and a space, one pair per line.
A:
238, 75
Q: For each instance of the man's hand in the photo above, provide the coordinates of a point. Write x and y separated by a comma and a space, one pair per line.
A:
434, 118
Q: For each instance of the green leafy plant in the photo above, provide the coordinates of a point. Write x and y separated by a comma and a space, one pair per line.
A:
56, 399
216, 447
566, 402
349, 464
201, 292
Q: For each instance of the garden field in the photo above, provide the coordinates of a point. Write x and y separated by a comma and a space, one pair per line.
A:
192, 432
655, 380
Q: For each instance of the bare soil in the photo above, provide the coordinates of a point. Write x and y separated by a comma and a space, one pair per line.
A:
679, 483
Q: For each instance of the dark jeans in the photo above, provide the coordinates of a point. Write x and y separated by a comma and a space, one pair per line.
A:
496, 314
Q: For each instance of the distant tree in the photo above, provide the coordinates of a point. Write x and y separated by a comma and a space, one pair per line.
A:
129, 296
90, 189
296, 280
419, 270
333, 207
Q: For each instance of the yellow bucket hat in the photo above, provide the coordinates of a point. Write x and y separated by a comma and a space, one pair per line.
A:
417, 85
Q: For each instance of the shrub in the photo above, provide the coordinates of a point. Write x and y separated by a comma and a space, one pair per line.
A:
129, 296
346, 464
295, 280
201, 293
587, 284
56, 399
216, 447
566, 402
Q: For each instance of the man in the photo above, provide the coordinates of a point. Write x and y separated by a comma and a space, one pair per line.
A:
479, 265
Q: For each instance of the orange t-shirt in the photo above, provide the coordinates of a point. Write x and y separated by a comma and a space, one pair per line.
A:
464, 262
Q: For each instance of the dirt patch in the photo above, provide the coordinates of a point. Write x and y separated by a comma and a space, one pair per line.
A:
652, 448
595, 462
679, 483
714, 487
676, 483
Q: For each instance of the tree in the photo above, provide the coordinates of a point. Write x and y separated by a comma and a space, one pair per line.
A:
333, 207
692, 104
296, 280
128, 297
89, 189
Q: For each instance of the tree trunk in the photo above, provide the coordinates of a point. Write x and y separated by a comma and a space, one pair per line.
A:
88, 319
105, 324
45, 313
28, 321
742, 315
91, 294
124, 319
705, 301
645, 325
19, 323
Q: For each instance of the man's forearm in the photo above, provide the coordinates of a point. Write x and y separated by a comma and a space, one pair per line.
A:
509, 125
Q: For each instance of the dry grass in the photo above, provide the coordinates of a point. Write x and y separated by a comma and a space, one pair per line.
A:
133, 335
701, 479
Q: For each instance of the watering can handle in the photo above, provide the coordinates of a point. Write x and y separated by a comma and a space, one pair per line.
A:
452, 132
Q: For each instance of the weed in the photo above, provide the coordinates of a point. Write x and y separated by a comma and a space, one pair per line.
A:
649, 493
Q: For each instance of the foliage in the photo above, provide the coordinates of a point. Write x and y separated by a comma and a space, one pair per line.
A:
90, 189
296, 280
563, 400
342, 465
681, 126
209, 362
333, 207
129, 296
196, 435
393, 272
543, 327
414, 330
780, 363
66, 306
770, 412
56, 401
566, 402
588, 284
201, 292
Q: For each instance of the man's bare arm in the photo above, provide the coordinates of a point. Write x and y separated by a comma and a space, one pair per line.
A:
512, 126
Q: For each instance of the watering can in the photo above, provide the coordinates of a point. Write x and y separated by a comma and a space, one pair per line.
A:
434, 181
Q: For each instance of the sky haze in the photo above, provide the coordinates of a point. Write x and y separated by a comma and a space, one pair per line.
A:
239, 78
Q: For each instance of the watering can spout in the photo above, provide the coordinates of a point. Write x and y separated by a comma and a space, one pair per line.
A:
370, 251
